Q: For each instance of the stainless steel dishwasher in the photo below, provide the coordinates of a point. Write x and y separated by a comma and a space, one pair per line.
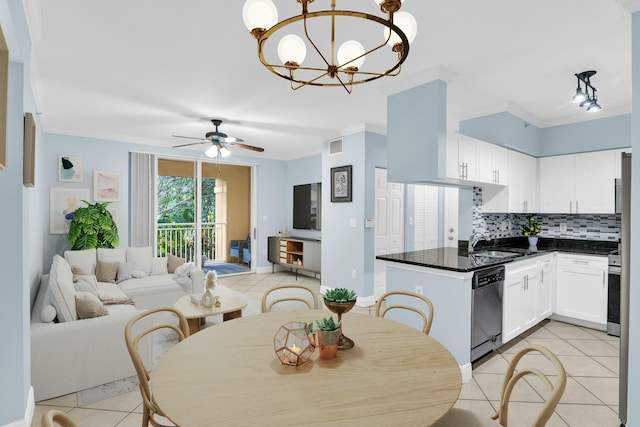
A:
486, 311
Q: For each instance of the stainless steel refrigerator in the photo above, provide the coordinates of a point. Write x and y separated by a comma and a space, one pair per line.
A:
625, 237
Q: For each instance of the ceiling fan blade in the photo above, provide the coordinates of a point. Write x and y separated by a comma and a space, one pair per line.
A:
248, 147
191, 143
230, 139
188, 137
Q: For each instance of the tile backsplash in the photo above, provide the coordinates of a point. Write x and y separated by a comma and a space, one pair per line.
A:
578, 226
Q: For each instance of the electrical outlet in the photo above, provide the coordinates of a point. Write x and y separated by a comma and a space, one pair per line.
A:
419, 290
503, 226
563, 226
352, 222
354, 274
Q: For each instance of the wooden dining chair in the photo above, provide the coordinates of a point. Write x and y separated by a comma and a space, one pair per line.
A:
461, 417
133, 333
55, 417
383, 307
289, 297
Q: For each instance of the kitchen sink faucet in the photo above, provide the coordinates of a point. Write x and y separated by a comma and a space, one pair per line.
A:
474, 239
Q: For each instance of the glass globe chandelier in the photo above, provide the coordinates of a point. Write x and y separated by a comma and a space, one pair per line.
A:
319, 32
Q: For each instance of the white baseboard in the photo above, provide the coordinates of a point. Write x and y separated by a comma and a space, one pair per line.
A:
28, 412
465, 370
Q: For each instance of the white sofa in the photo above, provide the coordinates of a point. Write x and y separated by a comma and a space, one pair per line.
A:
69, 353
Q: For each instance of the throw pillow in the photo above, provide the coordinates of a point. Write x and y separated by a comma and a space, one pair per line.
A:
140, 257
88, 305
138, 274
124, 271
173, 262
107, 271
77, 271
87, 283
158, 266
84, 259
62, 289
48, 313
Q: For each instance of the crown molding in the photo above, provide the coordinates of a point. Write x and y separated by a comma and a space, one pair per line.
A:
426, 76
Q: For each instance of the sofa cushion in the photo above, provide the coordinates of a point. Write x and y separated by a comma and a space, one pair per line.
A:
84, 259
112, 255
88, 305
143, 285
110, 291
86, 283
173, 262
140, 257
159, 266
107, 271
62, 289
48, 313
124, 271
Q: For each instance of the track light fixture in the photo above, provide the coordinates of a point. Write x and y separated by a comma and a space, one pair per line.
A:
320, 32
590, 102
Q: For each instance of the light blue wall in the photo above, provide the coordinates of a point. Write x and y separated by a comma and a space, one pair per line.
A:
506, 130
375, 157
416, 129
307, 170
342, 245
633, 415
509, 131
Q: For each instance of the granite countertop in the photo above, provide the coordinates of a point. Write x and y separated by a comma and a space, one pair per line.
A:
458, 259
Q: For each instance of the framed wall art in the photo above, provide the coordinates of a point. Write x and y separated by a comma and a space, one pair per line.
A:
63, 203
107, 186
341, 184
29, 151
70, 169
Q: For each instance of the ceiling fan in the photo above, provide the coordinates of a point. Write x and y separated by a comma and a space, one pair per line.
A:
219, 141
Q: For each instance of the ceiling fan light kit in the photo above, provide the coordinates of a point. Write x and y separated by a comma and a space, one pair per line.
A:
590, 102
315, 32
219, 142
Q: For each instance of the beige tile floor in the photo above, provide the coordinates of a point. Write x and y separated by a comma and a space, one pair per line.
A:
590, 358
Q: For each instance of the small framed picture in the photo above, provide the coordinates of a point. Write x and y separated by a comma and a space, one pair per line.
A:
341, 184
107, 186
63, 203
70, 169
29, 151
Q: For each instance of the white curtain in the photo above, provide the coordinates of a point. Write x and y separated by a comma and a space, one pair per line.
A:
142, 203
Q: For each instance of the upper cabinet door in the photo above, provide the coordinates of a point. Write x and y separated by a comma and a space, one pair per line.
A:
595, 182
556, 184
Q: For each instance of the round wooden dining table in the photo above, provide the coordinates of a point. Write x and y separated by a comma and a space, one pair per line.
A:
229, 374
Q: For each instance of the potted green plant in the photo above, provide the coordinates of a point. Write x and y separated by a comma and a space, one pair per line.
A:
92, 226
531, 229
341, 300
328, 337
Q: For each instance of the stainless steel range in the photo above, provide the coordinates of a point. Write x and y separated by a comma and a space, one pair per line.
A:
613, 296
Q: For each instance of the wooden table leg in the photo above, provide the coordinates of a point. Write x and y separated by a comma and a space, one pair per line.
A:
231, 315
194, 324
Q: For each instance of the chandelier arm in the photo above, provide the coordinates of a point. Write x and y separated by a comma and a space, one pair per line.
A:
392, 71
306, 83
306, 33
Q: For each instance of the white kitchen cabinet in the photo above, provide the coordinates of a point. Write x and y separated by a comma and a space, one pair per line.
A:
523, 183
581, 287
546, 292
467, 158
519, 298
578, 183
478, 161
618, 163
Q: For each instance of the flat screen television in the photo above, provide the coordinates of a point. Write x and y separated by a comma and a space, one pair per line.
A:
306, 206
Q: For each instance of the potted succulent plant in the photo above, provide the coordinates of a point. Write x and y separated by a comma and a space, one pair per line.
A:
531, 230
341, 300
328, 337
93, 226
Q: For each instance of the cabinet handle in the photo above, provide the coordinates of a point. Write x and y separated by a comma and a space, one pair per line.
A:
603, 280
570, 206
541, 276
498, 177
576, 206
466, 171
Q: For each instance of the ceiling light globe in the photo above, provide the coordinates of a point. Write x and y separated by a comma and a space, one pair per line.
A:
348, 51
579, 96
224, 152
587, 102
259, 14
211, 151
291, 48
407, 24
594, 107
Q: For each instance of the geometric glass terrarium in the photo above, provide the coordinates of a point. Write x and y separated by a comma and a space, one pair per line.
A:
292, 344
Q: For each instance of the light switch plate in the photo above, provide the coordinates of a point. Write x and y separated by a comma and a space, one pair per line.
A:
563, 226
352, 222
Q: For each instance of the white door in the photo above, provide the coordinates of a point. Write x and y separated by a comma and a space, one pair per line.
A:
425, 214
389, 224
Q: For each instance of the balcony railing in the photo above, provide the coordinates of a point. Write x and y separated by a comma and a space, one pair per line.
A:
179, 240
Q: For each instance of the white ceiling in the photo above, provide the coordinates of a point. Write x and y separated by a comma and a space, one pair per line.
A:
141, 71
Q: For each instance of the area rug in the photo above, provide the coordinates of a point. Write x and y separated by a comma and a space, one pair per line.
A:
223, 268
163, 341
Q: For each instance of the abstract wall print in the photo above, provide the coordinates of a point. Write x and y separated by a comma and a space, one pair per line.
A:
63, 203
341, 184
70, 169
29, 151
107, 186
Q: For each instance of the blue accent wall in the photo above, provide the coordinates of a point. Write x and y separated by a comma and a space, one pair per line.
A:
506, 130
